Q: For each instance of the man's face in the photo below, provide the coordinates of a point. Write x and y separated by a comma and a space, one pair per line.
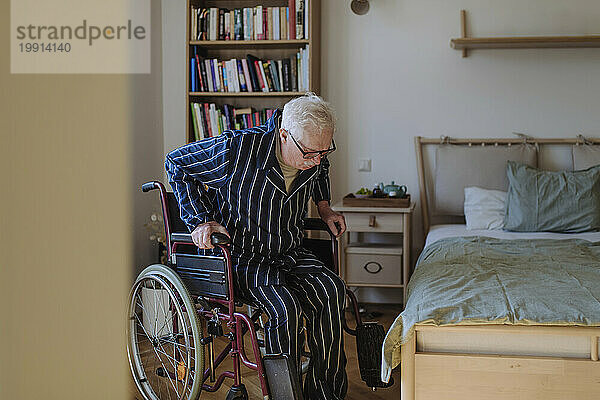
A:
311, 141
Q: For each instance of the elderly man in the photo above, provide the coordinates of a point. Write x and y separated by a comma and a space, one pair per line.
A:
254, 186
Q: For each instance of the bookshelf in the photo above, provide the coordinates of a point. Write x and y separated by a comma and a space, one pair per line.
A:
264, 49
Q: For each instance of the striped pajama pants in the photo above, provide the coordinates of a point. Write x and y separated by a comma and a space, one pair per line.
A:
318, 295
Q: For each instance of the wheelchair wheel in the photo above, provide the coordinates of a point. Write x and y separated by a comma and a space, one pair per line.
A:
164, 336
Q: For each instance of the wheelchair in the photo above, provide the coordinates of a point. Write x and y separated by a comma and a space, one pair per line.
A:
177, 311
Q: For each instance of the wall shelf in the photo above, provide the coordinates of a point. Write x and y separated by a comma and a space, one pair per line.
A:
250, 43
246, 94
465, 43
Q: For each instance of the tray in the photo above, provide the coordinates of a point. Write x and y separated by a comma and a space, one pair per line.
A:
350, 201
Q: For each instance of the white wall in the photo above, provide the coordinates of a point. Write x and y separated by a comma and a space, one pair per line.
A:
392, 75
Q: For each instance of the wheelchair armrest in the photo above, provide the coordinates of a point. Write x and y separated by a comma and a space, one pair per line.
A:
181, 237
315, 224
215, 238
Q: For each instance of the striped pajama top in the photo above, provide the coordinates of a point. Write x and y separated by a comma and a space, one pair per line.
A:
235, 180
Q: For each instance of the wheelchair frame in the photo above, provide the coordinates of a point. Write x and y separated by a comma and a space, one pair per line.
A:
238, 323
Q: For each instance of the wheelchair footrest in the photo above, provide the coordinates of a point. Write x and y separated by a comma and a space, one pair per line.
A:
282, 377
369, 339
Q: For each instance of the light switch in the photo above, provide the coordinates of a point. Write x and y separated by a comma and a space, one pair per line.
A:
364, 165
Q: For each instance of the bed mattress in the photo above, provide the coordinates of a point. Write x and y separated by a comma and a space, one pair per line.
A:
437, 232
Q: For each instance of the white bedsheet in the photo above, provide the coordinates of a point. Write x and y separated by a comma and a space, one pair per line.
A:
438, 232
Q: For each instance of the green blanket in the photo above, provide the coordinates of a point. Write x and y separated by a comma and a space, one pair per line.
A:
481, 280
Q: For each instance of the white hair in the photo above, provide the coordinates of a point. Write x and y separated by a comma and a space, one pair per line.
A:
308, 112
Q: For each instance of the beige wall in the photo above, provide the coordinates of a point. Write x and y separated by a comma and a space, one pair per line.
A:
146, 121
74, 150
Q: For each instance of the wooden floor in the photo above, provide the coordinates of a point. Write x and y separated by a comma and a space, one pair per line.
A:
356, 387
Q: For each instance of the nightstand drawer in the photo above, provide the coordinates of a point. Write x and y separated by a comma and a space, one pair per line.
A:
374, 222
373, 267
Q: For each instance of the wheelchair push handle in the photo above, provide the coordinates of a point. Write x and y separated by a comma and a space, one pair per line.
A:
219, 239
148, 186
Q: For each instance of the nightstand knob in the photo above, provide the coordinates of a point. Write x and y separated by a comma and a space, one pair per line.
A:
372, 221
373, 265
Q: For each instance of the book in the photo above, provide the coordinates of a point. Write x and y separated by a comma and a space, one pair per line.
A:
201, 120
253, 73
193, 22
280, 74
222, 79
299, 19
270, 22
265, 23
221, 24
293, 74
306, 8
276, 30
269, 78
206, 86
207, 117
259, 23
285, 69
274, 75
292, 19
251, 35
227, 35
261, 69
203, 35
283, 22
261, 77
209, 75
215, 75
247, 79
213, 23
194, 122
299, 69
213, 119
239, 24
241, 77
193, 74
200, 85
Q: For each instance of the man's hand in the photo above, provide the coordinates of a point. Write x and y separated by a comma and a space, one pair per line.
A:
201, 235
332, 218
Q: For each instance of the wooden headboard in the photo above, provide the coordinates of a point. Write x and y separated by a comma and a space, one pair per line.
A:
552, 154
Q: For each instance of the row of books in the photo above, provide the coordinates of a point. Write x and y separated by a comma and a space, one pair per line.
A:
209, 120
250, 74
251, 23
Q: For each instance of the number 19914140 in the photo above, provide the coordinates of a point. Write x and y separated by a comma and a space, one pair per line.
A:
45, 47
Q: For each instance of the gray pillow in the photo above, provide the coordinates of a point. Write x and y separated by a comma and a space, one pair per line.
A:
566, 201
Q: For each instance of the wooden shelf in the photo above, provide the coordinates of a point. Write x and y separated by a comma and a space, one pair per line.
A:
465, 42
525, 42
245, 94
249, 43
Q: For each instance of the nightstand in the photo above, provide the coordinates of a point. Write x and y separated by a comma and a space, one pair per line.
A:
364, 263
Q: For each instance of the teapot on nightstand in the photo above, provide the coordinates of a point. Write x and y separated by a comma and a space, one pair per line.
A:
393, 190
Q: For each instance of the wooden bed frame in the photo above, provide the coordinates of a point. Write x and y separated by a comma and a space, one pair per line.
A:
503, 367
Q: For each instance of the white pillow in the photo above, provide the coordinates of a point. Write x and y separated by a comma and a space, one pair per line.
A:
484, 209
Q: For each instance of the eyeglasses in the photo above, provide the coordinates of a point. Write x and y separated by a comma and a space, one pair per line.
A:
309, 155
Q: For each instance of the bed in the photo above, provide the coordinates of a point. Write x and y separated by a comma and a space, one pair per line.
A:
493, 314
